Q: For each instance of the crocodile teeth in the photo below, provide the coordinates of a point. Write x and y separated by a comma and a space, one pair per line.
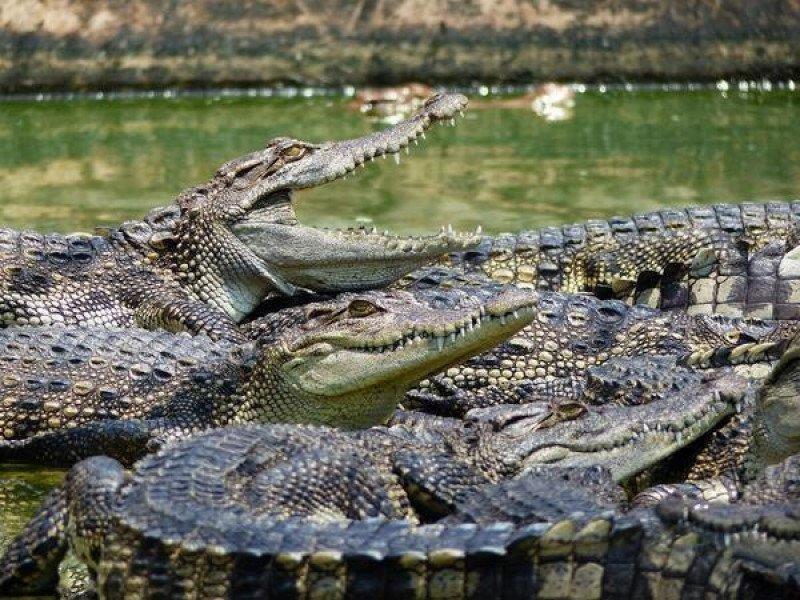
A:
440, 343
397, 158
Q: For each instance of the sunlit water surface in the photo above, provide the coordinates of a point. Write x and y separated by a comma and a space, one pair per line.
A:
69, 166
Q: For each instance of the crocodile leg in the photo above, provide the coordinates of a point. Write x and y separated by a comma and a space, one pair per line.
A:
30, 564
124, 440
164, 312
75, 514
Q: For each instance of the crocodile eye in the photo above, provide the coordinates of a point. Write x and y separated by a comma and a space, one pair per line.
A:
361, 308
295, 151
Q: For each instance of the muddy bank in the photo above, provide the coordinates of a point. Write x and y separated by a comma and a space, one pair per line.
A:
111, 44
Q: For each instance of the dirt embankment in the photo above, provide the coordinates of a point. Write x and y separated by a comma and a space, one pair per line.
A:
107, 44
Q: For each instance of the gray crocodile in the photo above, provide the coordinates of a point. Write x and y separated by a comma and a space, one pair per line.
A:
742, 260
294, 511
571, 333
727, 464
68, 393
206, 261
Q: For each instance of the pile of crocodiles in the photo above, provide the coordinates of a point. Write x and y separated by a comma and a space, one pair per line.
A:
255, 408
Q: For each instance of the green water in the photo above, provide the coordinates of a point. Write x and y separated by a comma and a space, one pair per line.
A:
72, 165
69, 166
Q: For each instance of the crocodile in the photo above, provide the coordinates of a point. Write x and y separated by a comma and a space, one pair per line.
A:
732, 459
742, 260
206, 261
69, 393
570, 334
297, 511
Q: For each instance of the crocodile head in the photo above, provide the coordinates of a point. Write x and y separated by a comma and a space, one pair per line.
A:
776, 418
627, 439
354, 357
237, 238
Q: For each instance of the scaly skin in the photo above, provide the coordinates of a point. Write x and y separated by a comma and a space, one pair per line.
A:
735, 255
72, 393
572, 333
277, 511
653, 409
208, 260
753, 451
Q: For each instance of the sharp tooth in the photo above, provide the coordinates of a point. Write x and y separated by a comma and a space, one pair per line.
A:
373, 230
449, 229
423, 135
645, 427
679, 437
462, 331
452, 122
439, 343
516, 314
482, 311
384, 156
453, 337
407, 150
502, 319
416, 142
479, 230
397, 158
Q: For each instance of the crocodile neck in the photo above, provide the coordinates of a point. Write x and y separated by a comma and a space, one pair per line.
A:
268, 395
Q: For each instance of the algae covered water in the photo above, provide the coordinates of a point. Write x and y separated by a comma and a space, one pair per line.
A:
72, 165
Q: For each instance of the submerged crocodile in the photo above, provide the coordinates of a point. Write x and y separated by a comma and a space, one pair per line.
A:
206, 261
69, 393
295, 511
736, 256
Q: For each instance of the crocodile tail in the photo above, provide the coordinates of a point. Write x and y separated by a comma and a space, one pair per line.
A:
30, 564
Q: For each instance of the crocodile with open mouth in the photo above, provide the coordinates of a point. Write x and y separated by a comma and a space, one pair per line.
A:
205, 262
